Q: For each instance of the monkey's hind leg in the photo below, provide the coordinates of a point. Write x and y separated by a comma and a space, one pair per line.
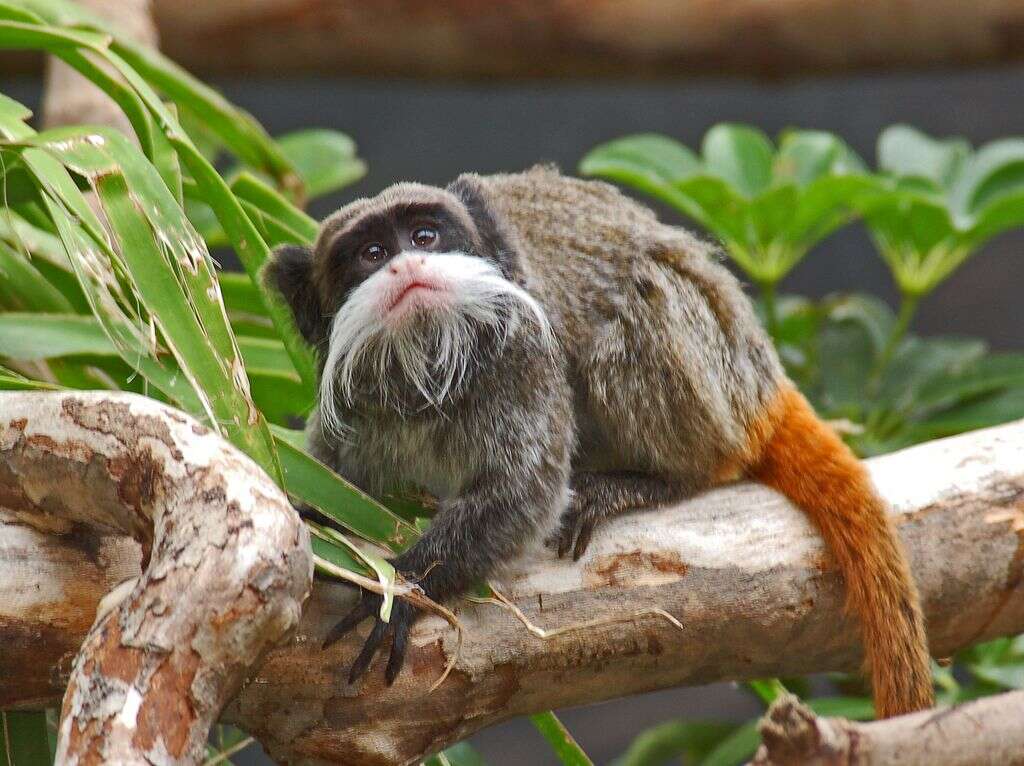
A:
600, 495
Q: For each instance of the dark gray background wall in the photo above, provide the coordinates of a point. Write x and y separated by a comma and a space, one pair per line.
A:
432, 132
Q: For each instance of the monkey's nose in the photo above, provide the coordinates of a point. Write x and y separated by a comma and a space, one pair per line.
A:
408, 263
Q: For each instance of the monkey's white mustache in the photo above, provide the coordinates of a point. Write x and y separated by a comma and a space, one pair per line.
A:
432, 339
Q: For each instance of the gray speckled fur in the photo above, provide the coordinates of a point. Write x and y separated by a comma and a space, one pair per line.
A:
668, 361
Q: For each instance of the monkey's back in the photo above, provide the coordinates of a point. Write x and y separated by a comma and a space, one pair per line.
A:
657, 330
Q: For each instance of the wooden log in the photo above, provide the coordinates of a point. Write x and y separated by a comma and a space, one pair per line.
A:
205, 562
745, 579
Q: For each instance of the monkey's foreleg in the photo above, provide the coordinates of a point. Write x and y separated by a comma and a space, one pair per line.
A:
598, 496
468, 537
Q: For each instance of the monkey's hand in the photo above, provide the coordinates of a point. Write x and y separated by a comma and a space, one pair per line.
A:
580, 519
598, 496
403, 615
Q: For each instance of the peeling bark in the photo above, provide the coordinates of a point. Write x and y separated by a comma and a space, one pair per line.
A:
984, 732
739, 568
206, 562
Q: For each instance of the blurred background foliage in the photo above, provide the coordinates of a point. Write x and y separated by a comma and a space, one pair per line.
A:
107, 281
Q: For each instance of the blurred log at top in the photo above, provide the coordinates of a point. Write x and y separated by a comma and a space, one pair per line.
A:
431, 38
542, 38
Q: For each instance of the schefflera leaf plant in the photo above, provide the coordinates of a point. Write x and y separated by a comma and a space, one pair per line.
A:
767, 205
935, 204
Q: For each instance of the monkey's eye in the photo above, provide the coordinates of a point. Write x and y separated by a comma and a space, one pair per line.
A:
374, 252
424, 236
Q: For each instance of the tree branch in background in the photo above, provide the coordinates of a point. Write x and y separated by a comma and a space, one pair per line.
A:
984, 731
743, 575
544, 38
69, 98
121, 481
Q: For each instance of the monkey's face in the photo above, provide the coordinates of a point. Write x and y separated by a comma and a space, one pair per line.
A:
411, 297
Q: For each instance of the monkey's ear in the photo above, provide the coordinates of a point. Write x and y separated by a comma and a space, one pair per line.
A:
496, 240
290, 272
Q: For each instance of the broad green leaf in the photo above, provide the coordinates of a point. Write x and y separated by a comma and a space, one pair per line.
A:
162, 251
240, 294
713, 203
565, 747
770, 213
741, 155
273, 231
65, 209
826, 204
381, 567
249, 245
26, 237
661, 158
253, 252
324, 159
767, 209
28, 336
1002, 214
906, 151
806, 155
313, 483
251, 189
997, 169
266, 354
22, 286
653, 173
336, 555
280, 396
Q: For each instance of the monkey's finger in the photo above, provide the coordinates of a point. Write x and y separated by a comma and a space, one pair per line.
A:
349, 621
583, 538
369, 649
398, 647
566, 535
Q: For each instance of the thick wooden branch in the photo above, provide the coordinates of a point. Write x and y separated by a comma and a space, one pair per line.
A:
984, 731
739, 568
93, 487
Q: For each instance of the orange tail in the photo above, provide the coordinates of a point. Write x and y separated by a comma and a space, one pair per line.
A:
805, 460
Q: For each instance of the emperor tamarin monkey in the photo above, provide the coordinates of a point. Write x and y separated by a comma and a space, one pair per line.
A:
541, 353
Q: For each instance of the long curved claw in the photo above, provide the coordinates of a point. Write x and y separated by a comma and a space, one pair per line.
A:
359, 613
373, 641
402, 622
